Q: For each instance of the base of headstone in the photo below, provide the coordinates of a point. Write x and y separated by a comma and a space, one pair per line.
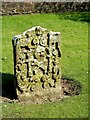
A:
41, 96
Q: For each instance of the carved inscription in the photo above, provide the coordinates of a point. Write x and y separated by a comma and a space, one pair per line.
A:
37, 55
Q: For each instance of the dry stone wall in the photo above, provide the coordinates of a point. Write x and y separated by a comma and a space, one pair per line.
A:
37, 63
13, 8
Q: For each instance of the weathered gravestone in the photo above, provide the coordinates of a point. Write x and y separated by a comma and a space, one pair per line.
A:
37, 64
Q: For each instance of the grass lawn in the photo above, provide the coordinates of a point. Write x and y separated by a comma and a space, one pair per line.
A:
74, 47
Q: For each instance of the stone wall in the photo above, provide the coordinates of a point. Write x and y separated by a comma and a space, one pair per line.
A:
12, 8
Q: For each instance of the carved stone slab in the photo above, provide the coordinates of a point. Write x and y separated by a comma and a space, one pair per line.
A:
37, 62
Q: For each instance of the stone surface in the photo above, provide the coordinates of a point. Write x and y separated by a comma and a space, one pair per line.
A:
37, 63
8, 8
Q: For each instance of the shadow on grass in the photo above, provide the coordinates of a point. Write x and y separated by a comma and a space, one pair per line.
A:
8, 86
76, 16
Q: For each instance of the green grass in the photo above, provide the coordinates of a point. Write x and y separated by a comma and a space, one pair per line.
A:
74, 47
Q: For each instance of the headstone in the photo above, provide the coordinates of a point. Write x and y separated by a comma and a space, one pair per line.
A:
37, 63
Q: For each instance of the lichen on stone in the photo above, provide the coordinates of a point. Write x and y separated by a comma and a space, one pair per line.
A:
37, 61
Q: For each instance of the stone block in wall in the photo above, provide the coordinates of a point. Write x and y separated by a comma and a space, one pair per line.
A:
37, 63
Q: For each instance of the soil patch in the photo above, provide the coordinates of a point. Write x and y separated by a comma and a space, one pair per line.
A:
70, 87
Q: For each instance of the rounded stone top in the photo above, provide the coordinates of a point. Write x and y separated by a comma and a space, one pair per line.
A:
34, 32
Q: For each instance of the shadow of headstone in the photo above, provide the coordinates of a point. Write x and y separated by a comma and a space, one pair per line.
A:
8, 86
